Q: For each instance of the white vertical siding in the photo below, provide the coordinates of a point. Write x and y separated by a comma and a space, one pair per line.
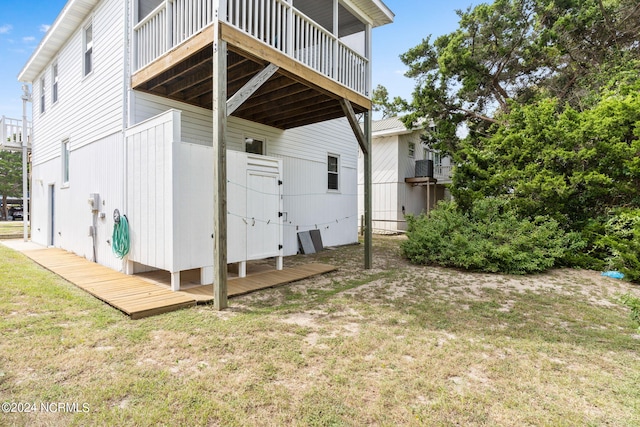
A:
150, 191
304, 153
193, 206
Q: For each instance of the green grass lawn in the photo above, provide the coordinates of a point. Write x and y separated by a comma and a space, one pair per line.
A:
395, 345
11, 228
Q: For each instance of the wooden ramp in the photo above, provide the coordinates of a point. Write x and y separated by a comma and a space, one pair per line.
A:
132, 295
262, 280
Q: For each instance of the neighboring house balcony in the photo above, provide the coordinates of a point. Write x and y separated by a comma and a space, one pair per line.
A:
309, 54
443, 173
11, 134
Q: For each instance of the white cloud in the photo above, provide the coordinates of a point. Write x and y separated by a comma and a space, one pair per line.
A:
28, 39
6, 29
44, 28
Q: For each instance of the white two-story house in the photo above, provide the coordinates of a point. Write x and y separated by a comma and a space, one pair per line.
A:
219, 128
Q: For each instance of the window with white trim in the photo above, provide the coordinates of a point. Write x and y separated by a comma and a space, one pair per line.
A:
54, 83
87, 60
412, 150
42, 106
333, 174
255, 146
66, 152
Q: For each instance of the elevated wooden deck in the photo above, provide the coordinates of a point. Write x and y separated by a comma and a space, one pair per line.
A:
139, 296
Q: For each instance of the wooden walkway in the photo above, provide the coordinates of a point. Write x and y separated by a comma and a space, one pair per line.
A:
263, 280
130, 294
139, 297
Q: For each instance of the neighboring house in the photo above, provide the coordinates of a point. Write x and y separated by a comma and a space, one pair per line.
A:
136, 102
396, 190
11, 132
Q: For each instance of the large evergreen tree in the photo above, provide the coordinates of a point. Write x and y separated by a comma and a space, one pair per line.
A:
548, 95
514, 51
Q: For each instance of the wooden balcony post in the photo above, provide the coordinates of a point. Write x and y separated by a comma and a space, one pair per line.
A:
219, 166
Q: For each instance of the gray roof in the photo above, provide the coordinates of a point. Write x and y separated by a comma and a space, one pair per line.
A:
390, 126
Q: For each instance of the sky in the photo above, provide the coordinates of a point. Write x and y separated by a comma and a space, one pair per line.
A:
24, 23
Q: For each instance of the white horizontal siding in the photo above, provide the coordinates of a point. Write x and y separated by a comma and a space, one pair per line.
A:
88, 108
311, 142
196, 122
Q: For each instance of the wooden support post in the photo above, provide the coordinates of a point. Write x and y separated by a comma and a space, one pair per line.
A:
219, 167
364, 140
175, 281
368, 188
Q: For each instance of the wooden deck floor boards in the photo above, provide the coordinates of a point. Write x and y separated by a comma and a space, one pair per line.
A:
263, 280
140, 297
129, 294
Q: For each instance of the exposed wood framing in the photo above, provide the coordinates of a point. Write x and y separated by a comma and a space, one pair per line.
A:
295, 95
290, 67
364, 140
250, 88
355, 126
184, 50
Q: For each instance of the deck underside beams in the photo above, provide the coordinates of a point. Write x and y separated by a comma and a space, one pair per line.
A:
294, 96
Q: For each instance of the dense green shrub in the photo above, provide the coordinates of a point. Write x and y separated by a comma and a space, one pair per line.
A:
490, 237
634, 304
621, 241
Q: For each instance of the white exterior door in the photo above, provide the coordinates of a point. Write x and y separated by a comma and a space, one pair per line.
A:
263, 213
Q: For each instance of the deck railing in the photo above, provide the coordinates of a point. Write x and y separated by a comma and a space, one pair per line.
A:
274, 22
11, 133
442, 173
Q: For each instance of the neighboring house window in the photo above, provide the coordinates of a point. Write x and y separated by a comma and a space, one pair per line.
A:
333, 166
65, 162
88, 49
54, 83
437, 159
412, 150
254, 146
42, 95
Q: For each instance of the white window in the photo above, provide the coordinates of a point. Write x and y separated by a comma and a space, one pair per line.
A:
437, 159
42, 106
255, 146
65, 162
412, 150
333, 175
87, 60
54, 83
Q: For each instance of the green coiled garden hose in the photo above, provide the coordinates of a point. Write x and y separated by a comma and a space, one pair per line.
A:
120, 236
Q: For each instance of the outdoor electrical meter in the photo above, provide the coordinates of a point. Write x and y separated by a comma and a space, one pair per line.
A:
94, 202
